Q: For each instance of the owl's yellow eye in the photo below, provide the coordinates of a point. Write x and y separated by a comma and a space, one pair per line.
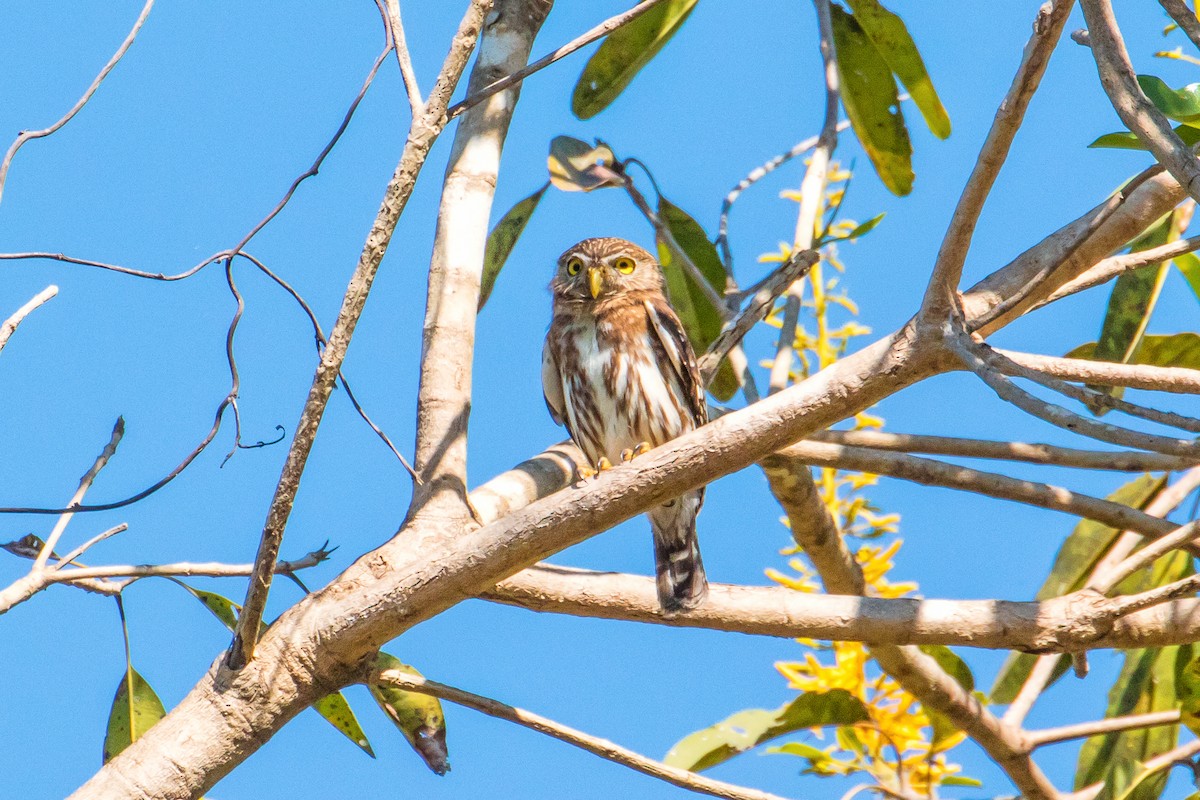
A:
573, 266
624, 265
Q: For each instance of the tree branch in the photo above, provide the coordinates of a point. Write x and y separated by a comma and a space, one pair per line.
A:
422, 134
1082, 730
941, 293
592, 744
1180, 380
9, 326
25, 136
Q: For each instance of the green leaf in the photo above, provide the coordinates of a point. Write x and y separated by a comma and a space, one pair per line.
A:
1187, 689
1124, 140
221, 607
699, 316
624, 53
956, 668
503, 238
337, 712
135, 709
1181, 105
960, 780
1173, 350
573, 164
891, 38
866, 227
747, 729
1189, 265
872, 103
418, 716
1079, 554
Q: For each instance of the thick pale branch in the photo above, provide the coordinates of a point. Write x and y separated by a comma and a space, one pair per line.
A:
940, 296
601, 747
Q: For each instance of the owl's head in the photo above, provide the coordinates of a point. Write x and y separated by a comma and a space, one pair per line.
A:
596, 269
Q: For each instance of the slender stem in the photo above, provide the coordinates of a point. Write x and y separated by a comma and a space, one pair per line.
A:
1082, 730
600, 747
25, 136
1181, 537
1181, 380
9, 326
404, 59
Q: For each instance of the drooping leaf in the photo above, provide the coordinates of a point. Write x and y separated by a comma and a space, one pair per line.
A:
337, 712
573, 164
221, 607
1125, 140
891, 38
872, 103
503, 238
747, 729
699, 316
418, 716
1189, 265
1173, 350
1181, 105
622, 55
1079, 554
135, 709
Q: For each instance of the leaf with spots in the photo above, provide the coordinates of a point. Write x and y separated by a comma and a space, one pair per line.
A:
337, 712
135, 709
419, 717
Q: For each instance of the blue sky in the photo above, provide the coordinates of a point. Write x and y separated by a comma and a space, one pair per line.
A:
194, 137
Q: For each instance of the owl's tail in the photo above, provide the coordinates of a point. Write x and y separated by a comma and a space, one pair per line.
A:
678, 568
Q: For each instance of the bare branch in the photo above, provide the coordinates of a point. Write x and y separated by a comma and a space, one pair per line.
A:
1135, 109
403, 58
85, 483
1163, 504
938, 473
1082, 730
941, 294
422, 134
1181, 380
25, 136
1057, 415
1114, 266
596, 746
210, 569
1178, 538
1035, 683
9, 326
1184, 17
603, 29
1121, 461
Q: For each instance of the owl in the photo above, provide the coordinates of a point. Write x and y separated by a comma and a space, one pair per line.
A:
619, 372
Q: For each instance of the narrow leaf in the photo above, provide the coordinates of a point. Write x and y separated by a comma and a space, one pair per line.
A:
337, 712
891, 38
747, 729
872, 103
1189, 266
418, 716
221, 607
1181, 105
502, 239
1124, 140
700, 318
573, 162
135, 709
622, 55
1079, 554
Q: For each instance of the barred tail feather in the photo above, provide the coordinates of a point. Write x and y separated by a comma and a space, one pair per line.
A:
679, 570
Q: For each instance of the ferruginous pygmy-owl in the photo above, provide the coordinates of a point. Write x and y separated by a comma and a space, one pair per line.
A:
619, 372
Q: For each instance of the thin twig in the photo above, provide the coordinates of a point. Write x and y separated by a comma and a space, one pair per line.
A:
1145, 557
423, 133
85, 483
1120, 461
70, 557
592, 744
210, 569
9, 326
25, 136
1035, 683
603, 29
1115, 266
403, 58
1162, 594
1057, 415
1180, 380
760, 304
1082, 730
941, 293
1184, 17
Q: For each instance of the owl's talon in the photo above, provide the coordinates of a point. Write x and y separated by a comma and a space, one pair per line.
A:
641, 448
603, 464
583, 474
627, 455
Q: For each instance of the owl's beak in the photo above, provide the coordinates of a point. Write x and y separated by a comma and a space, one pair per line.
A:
595, 277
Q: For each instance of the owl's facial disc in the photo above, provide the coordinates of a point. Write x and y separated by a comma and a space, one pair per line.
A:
595, 279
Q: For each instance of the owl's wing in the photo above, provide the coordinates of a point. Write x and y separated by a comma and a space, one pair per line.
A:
552, 388
669, 332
